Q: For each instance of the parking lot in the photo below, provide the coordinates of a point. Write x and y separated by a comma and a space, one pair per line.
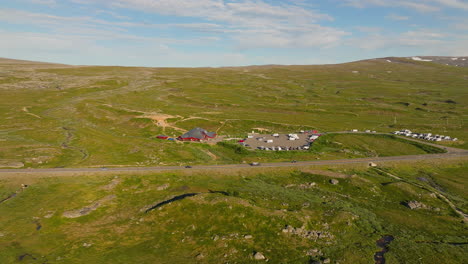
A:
278, 141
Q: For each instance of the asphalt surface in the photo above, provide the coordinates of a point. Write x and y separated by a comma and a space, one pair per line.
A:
232, 166
451, 153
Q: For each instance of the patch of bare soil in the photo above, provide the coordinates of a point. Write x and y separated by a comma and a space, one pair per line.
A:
11, 164
88, 209
160, 120
261, 129
111, 185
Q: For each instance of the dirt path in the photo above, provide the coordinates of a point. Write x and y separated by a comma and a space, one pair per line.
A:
209, 153
26, 110
448, 149
437, 192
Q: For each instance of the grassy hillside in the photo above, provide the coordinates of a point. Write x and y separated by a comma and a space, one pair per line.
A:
237, 213
57, 115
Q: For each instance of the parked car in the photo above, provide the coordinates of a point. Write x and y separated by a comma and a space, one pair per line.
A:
254, 164
188, 167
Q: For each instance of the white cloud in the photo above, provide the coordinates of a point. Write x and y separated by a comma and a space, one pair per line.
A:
49, 3
417, 5
252, 24
397, 17
411, 4
423, 41
453, 3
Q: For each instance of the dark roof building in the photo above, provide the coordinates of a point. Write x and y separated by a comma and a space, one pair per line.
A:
197, 134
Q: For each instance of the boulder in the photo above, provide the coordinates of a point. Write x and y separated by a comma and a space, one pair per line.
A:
415, 205
334, 181
258, 256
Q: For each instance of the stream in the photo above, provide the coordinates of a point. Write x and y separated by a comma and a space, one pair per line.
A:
382, 243
175, 198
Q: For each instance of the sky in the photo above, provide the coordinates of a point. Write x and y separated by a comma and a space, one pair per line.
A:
199, 33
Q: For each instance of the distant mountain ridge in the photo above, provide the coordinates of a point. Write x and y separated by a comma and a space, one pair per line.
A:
457, 61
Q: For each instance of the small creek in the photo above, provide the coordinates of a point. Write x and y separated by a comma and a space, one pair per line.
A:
180, 197
382, 243
175, 198
8, 198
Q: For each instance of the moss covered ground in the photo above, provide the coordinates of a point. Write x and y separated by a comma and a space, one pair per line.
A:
244, 213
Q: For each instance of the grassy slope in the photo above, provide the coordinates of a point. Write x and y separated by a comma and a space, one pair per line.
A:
356, 212
85, 116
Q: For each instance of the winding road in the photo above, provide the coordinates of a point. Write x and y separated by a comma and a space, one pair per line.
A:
451, 153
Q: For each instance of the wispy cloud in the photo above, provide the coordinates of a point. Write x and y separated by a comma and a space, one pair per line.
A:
453, 3
417, 5
227, 32
397, 17
413, 5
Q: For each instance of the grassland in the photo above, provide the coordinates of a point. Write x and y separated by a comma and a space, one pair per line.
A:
64, 116
216, 227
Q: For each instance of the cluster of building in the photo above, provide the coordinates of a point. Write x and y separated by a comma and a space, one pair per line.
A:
196, 134
425, 136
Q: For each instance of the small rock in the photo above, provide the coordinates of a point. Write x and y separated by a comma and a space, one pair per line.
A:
258, 256
87, 245
327, 260
313, 252
1, 234
215, 237
334, 181
199, 256
248, 236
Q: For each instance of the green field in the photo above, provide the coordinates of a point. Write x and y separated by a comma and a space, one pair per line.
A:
64, 116
216, 227
68, 116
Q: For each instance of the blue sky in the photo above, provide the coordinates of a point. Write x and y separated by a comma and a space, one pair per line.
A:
194, 33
